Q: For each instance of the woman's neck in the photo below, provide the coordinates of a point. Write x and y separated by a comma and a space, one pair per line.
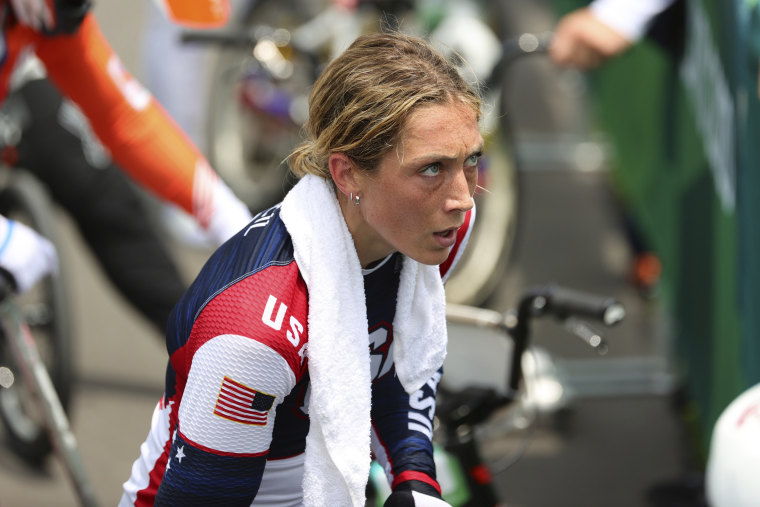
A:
370, 248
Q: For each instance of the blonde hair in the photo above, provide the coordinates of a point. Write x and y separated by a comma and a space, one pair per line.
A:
359, 104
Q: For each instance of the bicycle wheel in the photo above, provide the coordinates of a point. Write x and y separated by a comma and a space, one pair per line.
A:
259, 97
45, 310
486, 258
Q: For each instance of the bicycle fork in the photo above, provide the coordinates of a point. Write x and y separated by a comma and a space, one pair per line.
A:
24, 349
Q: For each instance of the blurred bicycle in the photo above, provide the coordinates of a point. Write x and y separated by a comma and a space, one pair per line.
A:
510, 375
36, 356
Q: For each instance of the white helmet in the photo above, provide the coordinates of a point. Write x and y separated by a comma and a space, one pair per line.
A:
734, 461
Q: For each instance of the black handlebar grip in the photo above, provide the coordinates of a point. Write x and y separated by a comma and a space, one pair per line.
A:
220, 37
564, 303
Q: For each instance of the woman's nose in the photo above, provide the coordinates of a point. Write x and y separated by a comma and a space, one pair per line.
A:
461, 196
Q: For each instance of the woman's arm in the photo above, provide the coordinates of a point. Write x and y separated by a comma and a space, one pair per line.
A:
402, 433
225, 421
586, 37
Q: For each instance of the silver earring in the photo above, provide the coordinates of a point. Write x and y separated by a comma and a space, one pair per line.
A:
356, 199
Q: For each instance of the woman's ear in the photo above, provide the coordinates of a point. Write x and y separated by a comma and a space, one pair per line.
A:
343, 173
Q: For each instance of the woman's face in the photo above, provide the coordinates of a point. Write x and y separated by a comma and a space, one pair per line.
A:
417, 198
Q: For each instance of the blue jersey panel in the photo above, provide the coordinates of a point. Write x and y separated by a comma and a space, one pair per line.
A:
197, 478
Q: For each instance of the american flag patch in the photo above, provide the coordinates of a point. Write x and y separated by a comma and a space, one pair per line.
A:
242, 404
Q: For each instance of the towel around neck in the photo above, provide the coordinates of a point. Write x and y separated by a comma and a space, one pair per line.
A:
337, 458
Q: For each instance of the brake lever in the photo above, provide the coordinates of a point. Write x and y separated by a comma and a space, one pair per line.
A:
586, 333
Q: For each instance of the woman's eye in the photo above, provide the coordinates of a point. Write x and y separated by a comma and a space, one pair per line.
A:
432, 169
473, 160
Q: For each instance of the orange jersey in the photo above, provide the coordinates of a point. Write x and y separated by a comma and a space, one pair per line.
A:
140, 135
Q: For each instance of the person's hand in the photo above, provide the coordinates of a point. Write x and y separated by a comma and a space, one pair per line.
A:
25, 254
581, 40
349, 5
413, 499
33, 13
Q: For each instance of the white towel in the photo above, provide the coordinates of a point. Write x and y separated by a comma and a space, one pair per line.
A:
337, 458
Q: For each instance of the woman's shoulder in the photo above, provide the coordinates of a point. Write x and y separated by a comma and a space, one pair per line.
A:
269, 306
241, 277
264, 242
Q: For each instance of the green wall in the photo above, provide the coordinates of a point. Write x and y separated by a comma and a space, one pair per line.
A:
686, 132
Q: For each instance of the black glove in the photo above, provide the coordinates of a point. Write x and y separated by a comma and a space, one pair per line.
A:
415, 494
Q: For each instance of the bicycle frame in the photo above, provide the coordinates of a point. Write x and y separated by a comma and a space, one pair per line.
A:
461, 411
23, 347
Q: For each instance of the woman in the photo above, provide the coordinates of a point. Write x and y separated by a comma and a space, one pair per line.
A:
271, 394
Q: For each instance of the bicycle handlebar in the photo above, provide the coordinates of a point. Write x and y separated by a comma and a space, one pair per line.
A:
567, 305
561, 302
525, 44
222, 37
564, 303
515, 47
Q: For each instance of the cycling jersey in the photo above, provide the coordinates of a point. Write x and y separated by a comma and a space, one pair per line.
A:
141, 137
232, 424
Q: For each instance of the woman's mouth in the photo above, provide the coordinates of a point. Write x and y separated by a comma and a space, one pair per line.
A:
446, 238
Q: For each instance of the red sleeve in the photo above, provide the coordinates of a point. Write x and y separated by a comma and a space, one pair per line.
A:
141, 136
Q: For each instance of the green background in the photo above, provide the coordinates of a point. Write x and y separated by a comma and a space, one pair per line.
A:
709, 249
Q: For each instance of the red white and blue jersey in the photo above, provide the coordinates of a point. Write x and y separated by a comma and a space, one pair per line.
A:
232, 425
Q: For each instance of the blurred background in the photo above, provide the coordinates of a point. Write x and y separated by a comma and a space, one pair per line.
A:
614, 187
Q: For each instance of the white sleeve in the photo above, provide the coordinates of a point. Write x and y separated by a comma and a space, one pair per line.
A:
629, 17
227, 377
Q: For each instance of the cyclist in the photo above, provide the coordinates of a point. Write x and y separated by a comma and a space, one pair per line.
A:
272, 395
139, 135
107, 209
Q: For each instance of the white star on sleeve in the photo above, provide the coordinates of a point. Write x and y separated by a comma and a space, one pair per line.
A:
180, 453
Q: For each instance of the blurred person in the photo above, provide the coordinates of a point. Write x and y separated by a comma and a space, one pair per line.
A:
140, 136
319, 332
586, 38
105, 206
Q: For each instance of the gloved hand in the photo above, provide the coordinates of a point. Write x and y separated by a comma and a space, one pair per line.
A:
413, 499
33, 13
25, 254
